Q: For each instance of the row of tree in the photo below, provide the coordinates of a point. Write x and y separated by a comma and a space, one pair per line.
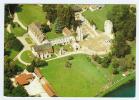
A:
124, 24
61, 15
37, 62
10, 70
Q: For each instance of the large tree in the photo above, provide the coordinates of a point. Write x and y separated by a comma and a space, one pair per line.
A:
124, 20
10, 67
19, 91
120, 47
11, 42
51, 11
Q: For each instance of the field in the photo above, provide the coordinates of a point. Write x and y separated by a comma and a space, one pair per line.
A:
84, 78
98, 16
31, 13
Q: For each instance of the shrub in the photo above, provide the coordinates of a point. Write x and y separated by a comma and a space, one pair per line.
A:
70, 58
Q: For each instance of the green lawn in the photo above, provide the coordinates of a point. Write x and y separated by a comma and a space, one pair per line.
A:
133, 48
29, 40
98, 16
52, 34
82, 79
27, 56
17, 31
31, 13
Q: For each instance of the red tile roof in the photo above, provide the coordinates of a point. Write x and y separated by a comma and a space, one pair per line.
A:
24, 78
38, 72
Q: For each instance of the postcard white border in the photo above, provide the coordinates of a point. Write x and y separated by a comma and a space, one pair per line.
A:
2, 2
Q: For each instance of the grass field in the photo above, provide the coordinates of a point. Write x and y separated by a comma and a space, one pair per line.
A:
98, 16
31, 13
133, 48
17, 31
27, 56
82, 79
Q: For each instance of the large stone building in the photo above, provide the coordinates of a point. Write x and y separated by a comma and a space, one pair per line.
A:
34, 30
62, 40
43, 51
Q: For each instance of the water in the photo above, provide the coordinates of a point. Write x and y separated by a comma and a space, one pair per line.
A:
127, 90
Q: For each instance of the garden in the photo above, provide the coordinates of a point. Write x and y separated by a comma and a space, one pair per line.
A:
27, 56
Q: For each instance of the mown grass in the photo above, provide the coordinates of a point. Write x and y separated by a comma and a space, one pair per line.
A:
31, 13
83, 79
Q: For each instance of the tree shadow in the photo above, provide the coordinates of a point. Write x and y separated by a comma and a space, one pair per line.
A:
19, 8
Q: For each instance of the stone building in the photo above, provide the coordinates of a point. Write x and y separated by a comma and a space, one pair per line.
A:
75, 46
34, 30
79, 34
62, 40
108, 28
43, 51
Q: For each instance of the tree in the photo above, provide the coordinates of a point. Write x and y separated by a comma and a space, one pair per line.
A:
124, 20
105, 61
51, 12
37, 62
10, 67
65, 17
70, 58
11, 42
119, 46
8, 83
115, 71
19, 91
7, 86
45, 28
9, 12
30, 68
68, 64
115, 62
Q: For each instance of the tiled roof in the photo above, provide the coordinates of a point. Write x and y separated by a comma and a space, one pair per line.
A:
23, 78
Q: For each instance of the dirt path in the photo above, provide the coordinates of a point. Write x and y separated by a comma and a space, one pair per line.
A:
16, 19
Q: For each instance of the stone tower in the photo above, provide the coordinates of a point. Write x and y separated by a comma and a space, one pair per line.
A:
108, 28
79, 34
